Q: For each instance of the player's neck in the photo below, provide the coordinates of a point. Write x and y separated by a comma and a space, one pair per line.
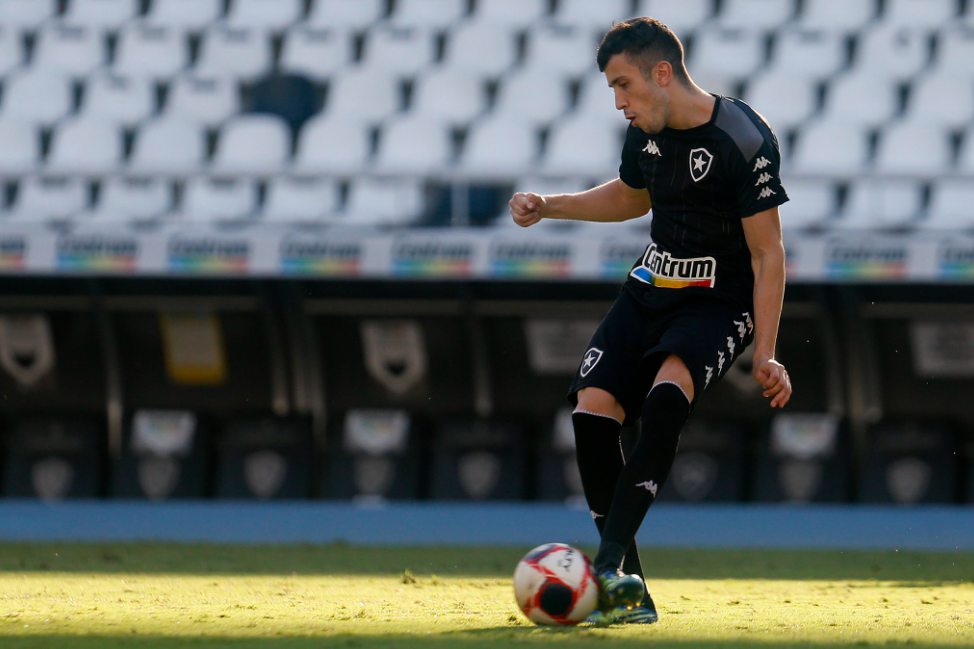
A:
692, 107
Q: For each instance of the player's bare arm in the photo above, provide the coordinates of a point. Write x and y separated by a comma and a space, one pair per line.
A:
612, 202
763, 234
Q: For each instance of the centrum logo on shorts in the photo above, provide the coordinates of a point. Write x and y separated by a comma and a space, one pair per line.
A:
661, 269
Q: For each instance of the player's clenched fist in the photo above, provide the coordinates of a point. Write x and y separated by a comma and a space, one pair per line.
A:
774, 378
527, 209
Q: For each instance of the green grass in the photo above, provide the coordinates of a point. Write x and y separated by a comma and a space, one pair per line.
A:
154, 596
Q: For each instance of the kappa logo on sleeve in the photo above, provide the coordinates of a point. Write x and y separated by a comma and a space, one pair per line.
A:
761, 163
763, 178
766, 193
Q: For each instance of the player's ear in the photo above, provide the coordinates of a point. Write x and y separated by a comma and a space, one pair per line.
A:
663, 74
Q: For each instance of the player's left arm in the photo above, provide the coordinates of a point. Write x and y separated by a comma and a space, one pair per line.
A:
763, 234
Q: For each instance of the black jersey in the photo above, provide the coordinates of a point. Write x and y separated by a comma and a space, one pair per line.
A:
702, 182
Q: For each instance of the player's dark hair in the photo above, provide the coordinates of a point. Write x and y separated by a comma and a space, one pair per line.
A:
645, 41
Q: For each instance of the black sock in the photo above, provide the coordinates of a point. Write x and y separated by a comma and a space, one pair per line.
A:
600, 462
665, 411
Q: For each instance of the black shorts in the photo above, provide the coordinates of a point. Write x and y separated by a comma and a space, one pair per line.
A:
637, 334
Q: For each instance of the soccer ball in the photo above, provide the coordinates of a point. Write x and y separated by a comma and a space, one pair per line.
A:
554, 584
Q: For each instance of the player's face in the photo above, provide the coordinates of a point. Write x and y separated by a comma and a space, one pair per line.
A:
644, 103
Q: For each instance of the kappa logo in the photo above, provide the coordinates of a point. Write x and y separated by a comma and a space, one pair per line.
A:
766, 192
720, 362
763, 178
590, 360
652, 149
731, 346
595, 515
761, 163
741, 329
649, 486
747, 317
700, 163
710, 375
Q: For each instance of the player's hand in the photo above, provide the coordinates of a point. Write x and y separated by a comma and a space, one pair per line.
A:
527, 209
774, 378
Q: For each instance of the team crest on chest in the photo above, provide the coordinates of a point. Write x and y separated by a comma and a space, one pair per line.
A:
700, 163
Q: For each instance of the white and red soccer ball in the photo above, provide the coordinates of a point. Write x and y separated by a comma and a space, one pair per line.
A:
554, 584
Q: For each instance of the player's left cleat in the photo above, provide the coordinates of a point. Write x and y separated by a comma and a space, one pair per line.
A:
619, 589
644, 613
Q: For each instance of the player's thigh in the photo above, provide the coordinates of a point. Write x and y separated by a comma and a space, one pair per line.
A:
674, 370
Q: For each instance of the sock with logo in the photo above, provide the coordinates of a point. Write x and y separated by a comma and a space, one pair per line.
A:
665, 411
600, 462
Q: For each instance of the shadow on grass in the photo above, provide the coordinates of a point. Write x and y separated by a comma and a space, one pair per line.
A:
913, 568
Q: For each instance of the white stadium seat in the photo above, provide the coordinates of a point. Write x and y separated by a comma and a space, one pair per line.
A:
813, 203
892, 52
861, 99
588, 15
43, 198
71, 50
486, 50
299, 199
560, 50
264, 14
514, 14
209, 100
378, 202
100, 14
124, 100
830, 146
812, 53
238, 53
193, 15
26, 14
950, 206
583, 146
965, 161
682, 17
450, 96
315, 52
154, 51
351, 14
253, 144
367, 95
429, 14
21, 150
596, 102
85, 145
955, 52
11, 49
500, 147
216, 199
927, 101
913, 148
881, 204
399, 51
756, 14
413, 145
37, 97
332, 145
171, 144
785, 100
839, 16
130, 199
723, 57
514, 97
919, 14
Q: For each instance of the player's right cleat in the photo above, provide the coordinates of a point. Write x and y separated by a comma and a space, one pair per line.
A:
619, 589
641, 614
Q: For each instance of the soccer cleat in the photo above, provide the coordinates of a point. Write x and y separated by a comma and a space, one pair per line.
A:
619, 589
644, 613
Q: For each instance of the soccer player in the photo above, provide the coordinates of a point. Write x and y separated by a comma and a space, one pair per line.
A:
710, 283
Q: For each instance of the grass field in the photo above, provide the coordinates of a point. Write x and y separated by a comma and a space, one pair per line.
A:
154, 596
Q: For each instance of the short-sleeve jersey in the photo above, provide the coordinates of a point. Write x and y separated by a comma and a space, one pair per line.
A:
702, 182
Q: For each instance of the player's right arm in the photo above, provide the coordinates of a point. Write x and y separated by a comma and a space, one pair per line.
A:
614, 201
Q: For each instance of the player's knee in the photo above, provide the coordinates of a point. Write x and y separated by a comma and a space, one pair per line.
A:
674, 370
600, 402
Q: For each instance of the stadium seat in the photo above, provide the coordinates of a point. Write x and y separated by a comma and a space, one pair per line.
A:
252, 144
85, 145
881, 204
861, 99
580, 145
70, 50
275, 15
892, 52
755, 14
511, 97
208, 199
682, 17
486, 50
25, 15
513, 14
427, 14
383, 202
350, 14
559, 50
194, 15
54, 459
449, 95
124, 100
244, 54
37, 97
596, 101
165, 455
44, 198
11, 50
128, 199
478, 459
332, 145
500, 147
266, 458
21, 150
786, 100
838, 16
298, 199
171, 144
911, 147
955, 52
811, 53
812, 204
723, 57
154, 51
829, 146
587, 15
208, 100
965, 160
315, 52
950, 206
919, 14
927, 104
398, 51
100, 14
367, 95
413, 145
